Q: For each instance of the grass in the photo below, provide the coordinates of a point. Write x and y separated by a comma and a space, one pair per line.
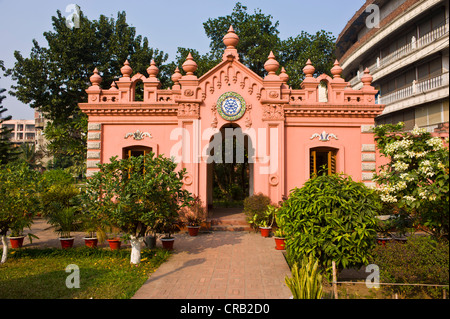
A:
104, 274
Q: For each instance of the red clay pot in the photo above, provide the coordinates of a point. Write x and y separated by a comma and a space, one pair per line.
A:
193, 230
114, 244
66, 242
280, 244
167, 243
16, 242
265, 231
91, 242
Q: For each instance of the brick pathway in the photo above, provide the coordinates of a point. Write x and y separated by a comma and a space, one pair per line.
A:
220, 264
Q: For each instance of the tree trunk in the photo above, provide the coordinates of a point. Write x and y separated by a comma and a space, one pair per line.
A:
136, 244
5, 249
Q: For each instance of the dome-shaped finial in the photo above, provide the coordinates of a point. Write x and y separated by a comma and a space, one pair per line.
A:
283, 75
336, 70
152, 70
176, 76
126, 69
271, 64
95, 79
231, 39
366, 79
189, 66
309, 69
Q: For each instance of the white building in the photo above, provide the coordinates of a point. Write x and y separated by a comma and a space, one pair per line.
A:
405, 45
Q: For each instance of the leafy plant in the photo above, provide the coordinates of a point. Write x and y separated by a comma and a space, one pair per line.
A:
255, 207
332, 218
18, 200
194, 214
421, 260
137, 194
306, 282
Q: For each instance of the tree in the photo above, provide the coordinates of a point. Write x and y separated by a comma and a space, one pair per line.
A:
415, 179
53, 79
257, 33
295, 52
136, 194
19, 202
7, 153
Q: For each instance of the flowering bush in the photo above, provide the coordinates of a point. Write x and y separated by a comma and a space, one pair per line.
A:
416, 178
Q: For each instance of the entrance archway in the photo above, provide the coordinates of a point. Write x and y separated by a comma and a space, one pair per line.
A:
229, 170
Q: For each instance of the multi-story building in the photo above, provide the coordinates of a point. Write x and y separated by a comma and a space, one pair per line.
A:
405, 45
23, 131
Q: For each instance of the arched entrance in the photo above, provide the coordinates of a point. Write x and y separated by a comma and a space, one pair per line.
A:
229, 170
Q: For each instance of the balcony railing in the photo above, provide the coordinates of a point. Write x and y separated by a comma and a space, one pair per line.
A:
416, 87
424, 40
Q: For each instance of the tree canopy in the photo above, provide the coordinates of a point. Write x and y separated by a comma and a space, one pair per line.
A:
53, 78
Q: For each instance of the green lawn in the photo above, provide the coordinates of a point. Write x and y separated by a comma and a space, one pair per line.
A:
105, 274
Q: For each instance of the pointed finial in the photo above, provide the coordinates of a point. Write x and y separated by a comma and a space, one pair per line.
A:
283, 75
366, 79
113, 86
231, 39
189, 66
271, 65
152, 70
126, 69
95, 79
309, 69
176, 76
336, 70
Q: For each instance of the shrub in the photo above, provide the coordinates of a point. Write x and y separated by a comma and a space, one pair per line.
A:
421, 259
332, 218
255, 207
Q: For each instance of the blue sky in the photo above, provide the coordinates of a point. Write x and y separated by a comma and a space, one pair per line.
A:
167, 24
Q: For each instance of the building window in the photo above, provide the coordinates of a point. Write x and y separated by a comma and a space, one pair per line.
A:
322, 161
134, 151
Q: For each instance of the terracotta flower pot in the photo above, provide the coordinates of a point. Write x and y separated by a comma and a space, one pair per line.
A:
114, 244
280, 243
167, 243
66, 242
193, 230
265, 231
91, 242
16, 242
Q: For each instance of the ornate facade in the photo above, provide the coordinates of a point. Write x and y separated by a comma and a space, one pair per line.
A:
291, 132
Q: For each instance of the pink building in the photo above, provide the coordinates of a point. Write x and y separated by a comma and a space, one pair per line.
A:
290, 133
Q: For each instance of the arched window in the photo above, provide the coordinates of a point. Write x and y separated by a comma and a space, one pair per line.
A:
322, 90
322, 161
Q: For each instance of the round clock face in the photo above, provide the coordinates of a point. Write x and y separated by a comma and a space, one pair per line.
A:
231, 106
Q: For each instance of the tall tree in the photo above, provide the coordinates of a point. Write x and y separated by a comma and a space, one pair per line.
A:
53, 79
7, 153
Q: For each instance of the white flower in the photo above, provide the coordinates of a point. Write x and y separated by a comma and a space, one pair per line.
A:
410, 198
388, 198
400, 166
400, 185
417, 131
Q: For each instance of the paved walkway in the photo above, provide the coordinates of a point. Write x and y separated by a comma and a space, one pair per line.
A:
218, 264
221, 264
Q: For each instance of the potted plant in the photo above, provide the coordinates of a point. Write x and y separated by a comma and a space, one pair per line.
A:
16, 236
61, 209
279, 234
193, 216
94, 231
167, 225
265, 220
150, 238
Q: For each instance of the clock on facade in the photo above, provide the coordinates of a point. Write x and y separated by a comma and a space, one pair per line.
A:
231, 106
